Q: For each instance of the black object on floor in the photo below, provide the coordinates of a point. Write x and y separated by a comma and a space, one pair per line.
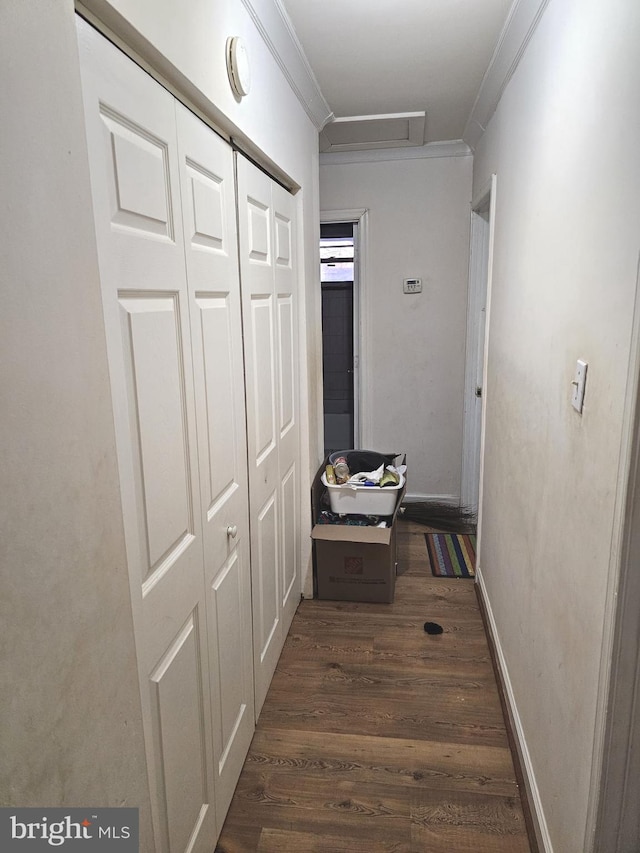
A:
440, 516
433, 628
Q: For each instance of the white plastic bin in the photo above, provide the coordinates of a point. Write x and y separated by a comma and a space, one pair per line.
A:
363, 500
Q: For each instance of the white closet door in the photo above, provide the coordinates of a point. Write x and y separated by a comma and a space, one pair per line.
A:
287, 352
135, 180
209, 216
269, 319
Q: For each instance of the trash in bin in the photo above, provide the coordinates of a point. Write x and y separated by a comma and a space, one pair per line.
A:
371, 486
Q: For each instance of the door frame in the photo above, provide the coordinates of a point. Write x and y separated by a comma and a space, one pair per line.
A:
359, 217
479, 293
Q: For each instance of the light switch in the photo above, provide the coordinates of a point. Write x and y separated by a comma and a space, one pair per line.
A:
578, 384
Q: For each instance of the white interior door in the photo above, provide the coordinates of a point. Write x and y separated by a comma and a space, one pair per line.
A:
209, 216
474, 370
287, 361
267, 267
131, 130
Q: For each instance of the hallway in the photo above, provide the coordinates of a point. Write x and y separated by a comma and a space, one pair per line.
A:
377, 737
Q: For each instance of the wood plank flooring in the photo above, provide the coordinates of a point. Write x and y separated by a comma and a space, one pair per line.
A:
376, 737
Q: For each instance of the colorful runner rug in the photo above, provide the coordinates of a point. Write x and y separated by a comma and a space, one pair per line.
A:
451, 555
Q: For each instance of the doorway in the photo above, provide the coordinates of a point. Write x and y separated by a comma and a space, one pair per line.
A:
479, 285
339, 280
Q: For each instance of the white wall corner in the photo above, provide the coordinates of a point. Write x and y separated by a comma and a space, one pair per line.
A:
516, 34
276, 29
532, 793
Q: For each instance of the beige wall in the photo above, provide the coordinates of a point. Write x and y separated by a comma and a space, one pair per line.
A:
414, 357
70, 709
564, 145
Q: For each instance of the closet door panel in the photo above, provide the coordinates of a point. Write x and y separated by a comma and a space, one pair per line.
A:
178, 707
157, 439
139, 191
290, 585
266, 590
209, 219
286, 364
288, 428
255, 217
131, 137
266, 214
213, 324
139, 233
263, 385
227, 598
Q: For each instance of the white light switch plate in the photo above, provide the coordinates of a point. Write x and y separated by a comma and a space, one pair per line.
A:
578, 384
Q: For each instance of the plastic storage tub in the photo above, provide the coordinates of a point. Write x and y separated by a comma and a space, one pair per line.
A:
363, 460
363, 500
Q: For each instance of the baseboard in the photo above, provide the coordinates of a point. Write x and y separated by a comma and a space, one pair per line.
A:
532, 804
451, 500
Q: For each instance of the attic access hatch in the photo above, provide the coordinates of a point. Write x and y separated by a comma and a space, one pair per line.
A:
359, 133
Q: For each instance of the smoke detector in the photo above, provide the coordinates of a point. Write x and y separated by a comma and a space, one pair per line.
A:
238, 67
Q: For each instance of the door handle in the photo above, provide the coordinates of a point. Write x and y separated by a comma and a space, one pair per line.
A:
232, 531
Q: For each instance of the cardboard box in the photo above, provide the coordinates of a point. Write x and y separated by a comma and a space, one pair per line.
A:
353, 563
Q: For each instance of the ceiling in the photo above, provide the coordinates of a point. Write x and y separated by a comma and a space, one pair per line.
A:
373, 58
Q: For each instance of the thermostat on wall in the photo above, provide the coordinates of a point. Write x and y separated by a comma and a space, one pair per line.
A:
412, 285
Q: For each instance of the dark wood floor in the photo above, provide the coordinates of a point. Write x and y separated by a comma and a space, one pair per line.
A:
376, 737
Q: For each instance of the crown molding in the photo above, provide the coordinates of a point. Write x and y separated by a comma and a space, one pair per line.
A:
276, 29
517, 32
452, 148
